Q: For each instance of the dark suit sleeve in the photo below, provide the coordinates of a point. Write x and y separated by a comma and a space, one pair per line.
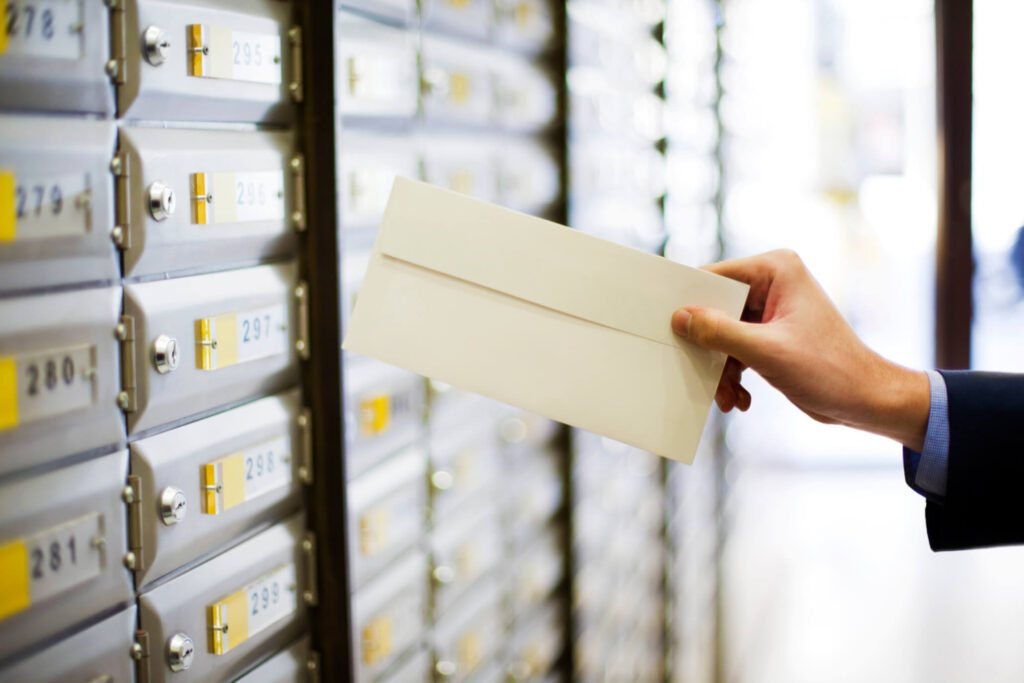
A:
984, 502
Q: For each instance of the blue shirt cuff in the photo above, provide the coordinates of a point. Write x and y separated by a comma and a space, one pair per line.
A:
926, 471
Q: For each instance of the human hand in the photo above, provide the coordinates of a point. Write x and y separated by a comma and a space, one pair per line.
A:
792, 335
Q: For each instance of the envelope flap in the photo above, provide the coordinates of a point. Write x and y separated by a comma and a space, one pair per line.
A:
547, 264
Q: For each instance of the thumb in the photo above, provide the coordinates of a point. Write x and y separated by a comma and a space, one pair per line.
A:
712, 329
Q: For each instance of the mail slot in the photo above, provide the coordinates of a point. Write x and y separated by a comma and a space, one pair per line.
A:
56, 201
534, 576
383, 412
524, 25
611, 167
529, 179
389, 617
63, 549
232, 198
469, 635
536, 644
209, 340
58, 376
463, 551
456, 83
534, 502
466, 164
415, 667
296, 663
211, 481
101, 652
55, 56
469, 18
638, 223
402, 12
377, 66
219, 61
525, 92
465, 463
216, 620
387, 513
369, 164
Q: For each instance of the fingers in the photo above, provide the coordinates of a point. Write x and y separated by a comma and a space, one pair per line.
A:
712, 329
732, 395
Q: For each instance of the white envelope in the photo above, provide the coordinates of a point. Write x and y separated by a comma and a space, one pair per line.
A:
540, 316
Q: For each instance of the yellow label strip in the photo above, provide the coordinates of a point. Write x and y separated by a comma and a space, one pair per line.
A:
376, 414
14, 592
8, 217
8, 393
195, 46
216, 342
377, 640
224, 483
229, 623
199, 193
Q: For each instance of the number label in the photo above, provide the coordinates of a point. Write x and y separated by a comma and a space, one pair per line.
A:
45, 384
243, 476
52, 561
235, 338
245, 613
219, 52
43, 206
238, 197
44, 28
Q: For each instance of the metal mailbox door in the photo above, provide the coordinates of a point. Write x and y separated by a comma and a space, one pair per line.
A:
211, 481
55, 57
224, 60
56, 202
205, 341
203, 200
62, 534
218, 619
58, 376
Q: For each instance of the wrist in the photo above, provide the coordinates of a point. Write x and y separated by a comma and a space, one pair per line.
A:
899, 405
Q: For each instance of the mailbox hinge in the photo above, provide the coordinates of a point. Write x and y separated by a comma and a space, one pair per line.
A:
302, 306
140, 653
121, 169
115, 66
309, 593
305, 421
313, 667
295, 41
298, 168
133, 499
125, 333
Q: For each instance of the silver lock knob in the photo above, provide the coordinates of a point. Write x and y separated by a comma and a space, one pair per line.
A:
446, 668
161, 201
165, 354
180, 652
155, 45
173, 506
444, 574
442, 480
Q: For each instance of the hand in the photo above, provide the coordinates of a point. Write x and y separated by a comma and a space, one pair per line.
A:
792, 335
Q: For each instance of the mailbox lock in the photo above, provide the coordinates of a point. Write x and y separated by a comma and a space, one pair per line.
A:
180, 651
155, 45
444, 574
173, 506
165, 354
442, 480
161, 201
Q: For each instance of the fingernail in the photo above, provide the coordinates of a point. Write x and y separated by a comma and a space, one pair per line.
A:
681, 322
